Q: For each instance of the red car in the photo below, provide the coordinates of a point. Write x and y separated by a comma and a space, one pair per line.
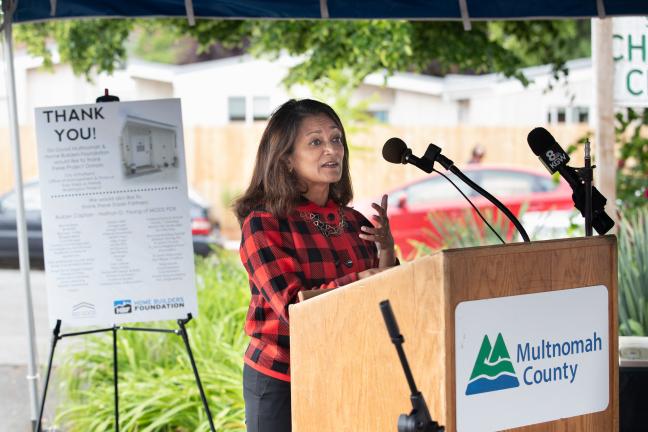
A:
549, 203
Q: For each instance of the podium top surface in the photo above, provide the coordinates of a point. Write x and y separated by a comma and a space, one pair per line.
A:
535, 245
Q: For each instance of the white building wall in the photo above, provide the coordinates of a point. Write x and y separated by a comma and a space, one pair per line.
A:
40, 88
151, 89
508, 102
205, 87
514, 108
409, 99
378, 99
421, 109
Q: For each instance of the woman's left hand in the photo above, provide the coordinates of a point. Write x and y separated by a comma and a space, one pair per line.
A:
381, 234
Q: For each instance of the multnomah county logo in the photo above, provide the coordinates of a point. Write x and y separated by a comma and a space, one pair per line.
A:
493, 369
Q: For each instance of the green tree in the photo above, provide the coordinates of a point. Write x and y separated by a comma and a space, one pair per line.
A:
632, 172
357, 48
632, 158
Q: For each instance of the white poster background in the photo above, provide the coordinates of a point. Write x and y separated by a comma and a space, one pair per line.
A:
117, 241
630, 51
556, 316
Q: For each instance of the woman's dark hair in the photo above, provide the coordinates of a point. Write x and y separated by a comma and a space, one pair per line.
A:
273, 187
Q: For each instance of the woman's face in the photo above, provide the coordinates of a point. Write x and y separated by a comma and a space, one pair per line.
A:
318, 152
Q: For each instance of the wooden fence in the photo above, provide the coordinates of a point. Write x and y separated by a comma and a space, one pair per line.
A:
220, 159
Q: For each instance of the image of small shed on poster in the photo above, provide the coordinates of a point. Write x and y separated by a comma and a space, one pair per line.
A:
115, 213
148, 146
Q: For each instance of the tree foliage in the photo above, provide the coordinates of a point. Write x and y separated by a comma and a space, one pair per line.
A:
356, 47
631, 145
87, 45
632, 172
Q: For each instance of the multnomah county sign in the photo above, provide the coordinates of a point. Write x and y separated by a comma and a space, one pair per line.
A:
531, 358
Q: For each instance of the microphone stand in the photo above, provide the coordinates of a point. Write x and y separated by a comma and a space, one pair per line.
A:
586, 175
419, 419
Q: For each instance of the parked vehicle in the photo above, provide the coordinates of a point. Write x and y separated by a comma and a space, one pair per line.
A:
549, 203
205, 233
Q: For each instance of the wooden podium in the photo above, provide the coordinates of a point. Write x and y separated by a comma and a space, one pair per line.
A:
345, 372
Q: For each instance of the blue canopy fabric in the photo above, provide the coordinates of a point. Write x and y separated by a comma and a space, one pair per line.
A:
38, 10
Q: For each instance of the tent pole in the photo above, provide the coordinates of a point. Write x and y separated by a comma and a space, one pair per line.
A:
604, 140
23, 251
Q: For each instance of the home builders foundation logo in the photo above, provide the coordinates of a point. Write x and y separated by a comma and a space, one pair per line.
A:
493, 368
123, 306
83, 310
146, 305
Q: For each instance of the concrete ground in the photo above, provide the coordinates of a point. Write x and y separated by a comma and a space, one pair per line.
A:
15, 404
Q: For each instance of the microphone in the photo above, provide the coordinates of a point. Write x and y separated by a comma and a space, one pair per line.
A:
555, 159
552, 156
395, 151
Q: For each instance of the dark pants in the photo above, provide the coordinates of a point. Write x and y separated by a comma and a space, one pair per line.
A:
267, 402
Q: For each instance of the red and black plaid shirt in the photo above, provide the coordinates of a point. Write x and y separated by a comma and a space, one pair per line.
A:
286, 255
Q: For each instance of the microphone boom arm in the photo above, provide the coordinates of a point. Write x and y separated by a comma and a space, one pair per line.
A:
395, 151
453, 169
433, 153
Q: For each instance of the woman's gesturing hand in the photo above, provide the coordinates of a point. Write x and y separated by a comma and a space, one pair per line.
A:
381, 234
370, 272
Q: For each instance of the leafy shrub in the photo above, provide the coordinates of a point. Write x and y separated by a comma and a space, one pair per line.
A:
157, 389
632, 173
632, 158
466, 230
633, 273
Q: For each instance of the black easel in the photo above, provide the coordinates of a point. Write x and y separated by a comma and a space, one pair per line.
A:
182, 331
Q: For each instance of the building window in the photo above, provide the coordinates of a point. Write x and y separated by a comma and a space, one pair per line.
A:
463, 110
380, 115
236, 108
261, 109
581, 114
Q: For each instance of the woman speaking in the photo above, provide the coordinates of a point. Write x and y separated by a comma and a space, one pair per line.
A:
298, 234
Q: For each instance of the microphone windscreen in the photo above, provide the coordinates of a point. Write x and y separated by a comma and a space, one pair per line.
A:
540, 140
393, 150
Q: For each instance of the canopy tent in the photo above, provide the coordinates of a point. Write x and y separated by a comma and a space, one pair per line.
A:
20, 11
34, 10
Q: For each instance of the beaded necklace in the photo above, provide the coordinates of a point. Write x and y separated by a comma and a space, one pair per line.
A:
326, 229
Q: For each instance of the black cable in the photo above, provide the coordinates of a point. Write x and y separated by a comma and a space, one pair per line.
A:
470, 202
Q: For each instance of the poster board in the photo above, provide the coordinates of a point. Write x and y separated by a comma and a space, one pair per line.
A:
115, 213
629, 48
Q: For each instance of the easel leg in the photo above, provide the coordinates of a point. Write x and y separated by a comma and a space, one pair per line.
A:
55, 338
115, 374
185, 338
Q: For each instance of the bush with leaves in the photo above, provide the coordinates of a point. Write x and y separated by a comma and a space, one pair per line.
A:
466, 230
633, 273
631, 136
632, 175
157, 390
